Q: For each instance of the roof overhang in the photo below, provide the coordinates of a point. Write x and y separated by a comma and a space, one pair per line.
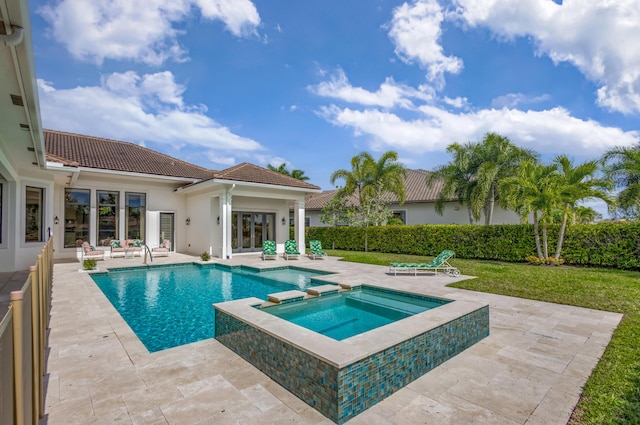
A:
199, 186
20, 122
56, 166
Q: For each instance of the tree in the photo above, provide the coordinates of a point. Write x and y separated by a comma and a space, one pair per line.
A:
282, 169
534, 190
493, 159
475, 172
622, 166
372, 183
577, 184
335, 211
458, 179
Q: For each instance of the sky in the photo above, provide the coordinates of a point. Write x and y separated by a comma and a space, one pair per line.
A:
313, 83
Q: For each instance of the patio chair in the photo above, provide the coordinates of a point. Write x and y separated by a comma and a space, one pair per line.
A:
291, 250
315, 250
162, 250
269, 250
89, 252
441, 262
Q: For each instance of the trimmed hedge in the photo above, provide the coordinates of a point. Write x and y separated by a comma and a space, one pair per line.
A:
603, 245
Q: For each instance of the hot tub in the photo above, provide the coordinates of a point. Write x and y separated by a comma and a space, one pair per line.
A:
343, 378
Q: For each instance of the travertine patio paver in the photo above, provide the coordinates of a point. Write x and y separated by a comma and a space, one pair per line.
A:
530, 370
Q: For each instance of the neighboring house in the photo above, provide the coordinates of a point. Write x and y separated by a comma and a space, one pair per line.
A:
418, 208
76, 187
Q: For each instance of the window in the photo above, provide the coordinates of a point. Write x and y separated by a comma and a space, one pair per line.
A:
402, 215
34, 199
108, 212
76, 216
135, 204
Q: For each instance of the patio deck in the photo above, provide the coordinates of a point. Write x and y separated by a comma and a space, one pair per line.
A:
530, 370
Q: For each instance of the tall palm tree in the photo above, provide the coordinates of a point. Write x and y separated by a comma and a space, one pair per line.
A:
577, 184
458, 179
493, 159
534, 190
622, 166
372, 182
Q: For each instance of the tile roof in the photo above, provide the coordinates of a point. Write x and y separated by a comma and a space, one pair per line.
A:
250, 173
94, 152
414, 183
76, 150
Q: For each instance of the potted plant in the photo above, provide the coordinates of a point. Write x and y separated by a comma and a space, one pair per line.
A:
205, 256
89, 264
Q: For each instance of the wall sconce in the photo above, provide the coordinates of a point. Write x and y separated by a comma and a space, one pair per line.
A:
284, 221
218, 220
56, 220
188, 221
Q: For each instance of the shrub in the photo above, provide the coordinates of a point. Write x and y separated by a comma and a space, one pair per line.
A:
205, 256
602, 245
90, 264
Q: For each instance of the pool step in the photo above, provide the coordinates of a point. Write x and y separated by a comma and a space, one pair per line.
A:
287, 296
323, 290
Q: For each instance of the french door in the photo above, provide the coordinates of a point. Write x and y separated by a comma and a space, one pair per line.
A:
167, 228
250, 229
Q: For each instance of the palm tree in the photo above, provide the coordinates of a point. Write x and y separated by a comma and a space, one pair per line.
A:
622, 166
577, 184
473, 175
493, 159
535, 190
372, 182
299, 174
282, 169
458, 179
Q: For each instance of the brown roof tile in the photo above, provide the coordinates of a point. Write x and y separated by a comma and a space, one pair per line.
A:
106, 154
414, 183
247, 172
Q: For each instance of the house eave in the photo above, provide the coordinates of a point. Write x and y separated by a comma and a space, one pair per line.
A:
197, 186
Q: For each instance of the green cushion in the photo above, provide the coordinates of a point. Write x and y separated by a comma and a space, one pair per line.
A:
137, 242
116, 244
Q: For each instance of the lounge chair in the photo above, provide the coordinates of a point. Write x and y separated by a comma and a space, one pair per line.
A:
269, 250
291, 250
89, 252
315, 250
162, 250
441, 262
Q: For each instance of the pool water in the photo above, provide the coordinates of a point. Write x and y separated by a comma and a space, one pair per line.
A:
344, 315
167, 306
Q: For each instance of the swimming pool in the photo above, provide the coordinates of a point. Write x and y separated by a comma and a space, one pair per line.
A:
167, 306
347, 314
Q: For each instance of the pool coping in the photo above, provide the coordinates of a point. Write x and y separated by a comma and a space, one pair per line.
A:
530, 369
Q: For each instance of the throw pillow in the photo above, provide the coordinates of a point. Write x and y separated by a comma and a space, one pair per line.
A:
116, 244
137, 243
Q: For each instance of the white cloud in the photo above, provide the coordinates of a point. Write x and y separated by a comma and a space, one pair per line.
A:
415, 30
95, 30
547, 132
389, 95
127, 106
214, 157
598, 37
511, 100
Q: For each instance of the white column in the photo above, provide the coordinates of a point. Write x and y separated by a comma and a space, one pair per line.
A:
225, 225
298, 214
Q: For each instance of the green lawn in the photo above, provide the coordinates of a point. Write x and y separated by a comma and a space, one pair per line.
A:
612, 393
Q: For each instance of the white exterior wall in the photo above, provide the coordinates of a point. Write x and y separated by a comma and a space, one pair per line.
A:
425, 213
160, 197
15, 253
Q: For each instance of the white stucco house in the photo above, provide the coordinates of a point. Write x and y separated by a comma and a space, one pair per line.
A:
418, 208
77, 187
